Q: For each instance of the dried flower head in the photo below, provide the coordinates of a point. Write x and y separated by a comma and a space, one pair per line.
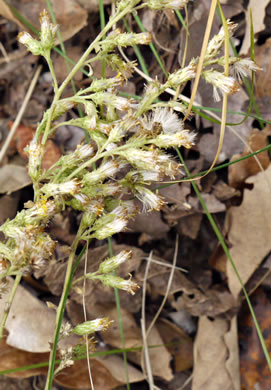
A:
225, 84
243, 67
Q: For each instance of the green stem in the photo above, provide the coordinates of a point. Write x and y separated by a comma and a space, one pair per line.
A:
52, 71
61, 307
81, 61
79, 65
9, 303
118, 306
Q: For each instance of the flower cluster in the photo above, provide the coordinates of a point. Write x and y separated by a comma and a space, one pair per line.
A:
126, 154
131, 146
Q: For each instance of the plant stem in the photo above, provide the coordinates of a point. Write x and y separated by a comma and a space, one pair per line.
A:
81, 61
9, 303
61, 307
52, 71
81, 64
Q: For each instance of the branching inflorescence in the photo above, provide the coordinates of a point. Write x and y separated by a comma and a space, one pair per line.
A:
127, 151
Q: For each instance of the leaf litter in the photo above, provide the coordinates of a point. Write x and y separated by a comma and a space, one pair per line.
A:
197, 331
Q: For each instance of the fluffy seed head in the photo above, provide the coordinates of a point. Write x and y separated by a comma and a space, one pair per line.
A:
150, 200
225, 84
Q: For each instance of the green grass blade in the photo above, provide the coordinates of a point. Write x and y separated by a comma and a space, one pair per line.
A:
138, 52
181, 19
153, 49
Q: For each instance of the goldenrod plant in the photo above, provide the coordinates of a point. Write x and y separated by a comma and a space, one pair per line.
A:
127, 152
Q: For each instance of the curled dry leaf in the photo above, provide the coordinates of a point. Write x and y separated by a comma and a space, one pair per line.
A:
250, 230
223, 191
212, 302
216, 357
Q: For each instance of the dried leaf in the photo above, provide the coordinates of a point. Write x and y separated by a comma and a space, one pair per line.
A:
238, 173
96, 292
197, 302
216, 358
262, 81
258, 14
160, 361
11, 357
212, 302
255, 372
6, 13
8, 206
69, 15
30, 323
190, 225
23, 137
92, 5
250, 229
178, 343
223, 191
107, 373
60, 65
150, 223
13, 178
